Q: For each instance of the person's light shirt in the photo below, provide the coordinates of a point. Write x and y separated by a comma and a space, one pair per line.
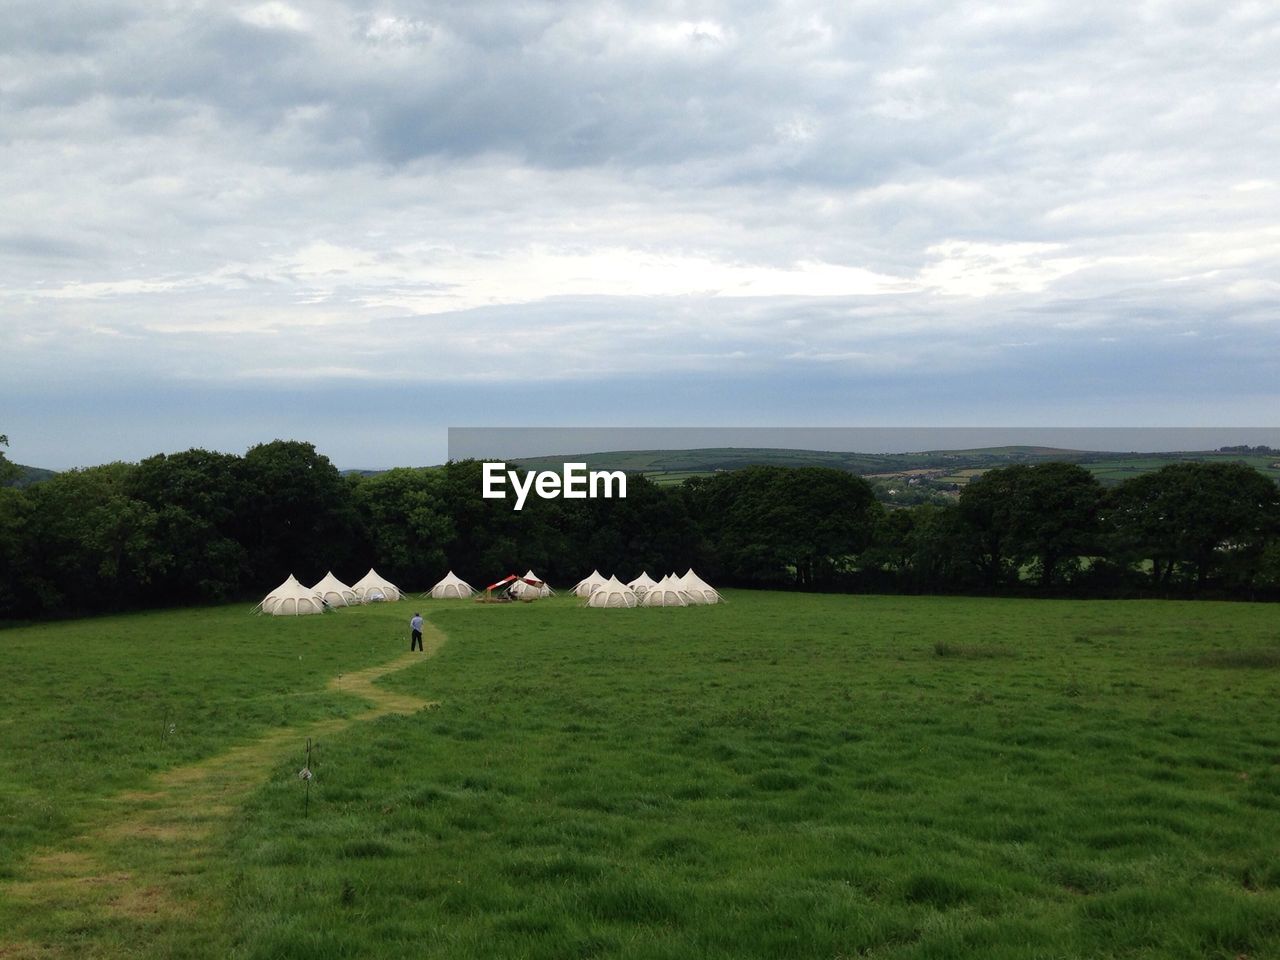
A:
416, 624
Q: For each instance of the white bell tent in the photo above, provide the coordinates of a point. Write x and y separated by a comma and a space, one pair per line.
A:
371, 588
698, 590
612, 593
589, 585
665, 593
522, 589
642, 584
451, 588
334, 592
291, 599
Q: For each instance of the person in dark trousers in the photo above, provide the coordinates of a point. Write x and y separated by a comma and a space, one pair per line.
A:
415, 641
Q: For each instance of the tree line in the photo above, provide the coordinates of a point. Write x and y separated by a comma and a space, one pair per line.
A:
200, 526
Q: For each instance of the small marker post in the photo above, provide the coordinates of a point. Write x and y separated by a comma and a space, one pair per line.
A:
305, 775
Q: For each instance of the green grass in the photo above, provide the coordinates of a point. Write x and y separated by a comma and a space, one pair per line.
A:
794, 776
672, 467
781, 776
1113, 470
695, 462
91, 707
674, 478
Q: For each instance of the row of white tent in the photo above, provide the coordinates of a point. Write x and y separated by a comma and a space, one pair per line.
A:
453, 587
644, 591
291, 598
599, 591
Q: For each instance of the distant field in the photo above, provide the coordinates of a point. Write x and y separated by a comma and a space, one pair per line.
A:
670, 467
674, 477
702, 461
1113, 471
782, 776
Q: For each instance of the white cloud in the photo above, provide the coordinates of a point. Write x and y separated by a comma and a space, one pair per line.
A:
985, 269
274, 15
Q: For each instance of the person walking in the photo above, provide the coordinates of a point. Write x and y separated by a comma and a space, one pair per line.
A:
415, 639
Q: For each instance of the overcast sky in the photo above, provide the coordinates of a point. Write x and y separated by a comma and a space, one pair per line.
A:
361, 223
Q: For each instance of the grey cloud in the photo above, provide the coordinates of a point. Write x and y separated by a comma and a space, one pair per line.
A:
44, 247
1060, 190
52, 28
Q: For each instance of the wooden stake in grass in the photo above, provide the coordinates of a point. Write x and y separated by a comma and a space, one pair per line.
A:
305, 775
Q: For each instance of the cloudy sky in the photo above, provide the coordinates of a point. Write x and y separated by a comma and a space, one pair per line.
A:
360, 223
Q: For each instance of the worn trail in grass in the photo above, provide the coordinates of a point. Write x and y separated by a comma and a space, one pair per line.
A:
139, 879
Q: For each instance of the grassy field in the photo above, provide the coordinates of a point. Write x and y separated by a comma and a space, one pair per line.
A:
91, 707
698, 462
1113, 471
672, 467
782, 776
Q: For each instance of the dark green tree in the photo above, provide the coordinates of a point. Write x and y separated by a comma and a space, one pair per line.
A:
1045, 516
8, 471
198, 497
1055, 523
88, 544
14, 566
1195, 521
923, 547
485, 542
648, 530
403, 512
987, 510
297, 515
777, 524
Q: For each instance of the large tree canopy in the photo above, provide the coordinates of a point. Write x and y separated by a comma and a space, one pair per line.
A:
199, 526
779, 524
198, 497
298, 515
1043, 516
1199, 520
404, 513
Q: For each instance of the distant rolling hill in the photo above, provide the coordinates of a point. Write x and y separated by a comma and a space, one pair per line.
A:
940, 471
713, 459
29, 475
954, 467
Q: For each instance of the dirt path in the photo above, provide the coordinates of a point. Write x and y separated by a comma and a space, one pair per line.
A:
137, 883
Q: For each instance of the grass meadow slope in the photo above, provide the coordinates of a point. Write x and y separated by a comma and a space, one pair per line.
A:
782, 776
91, 707
796, 776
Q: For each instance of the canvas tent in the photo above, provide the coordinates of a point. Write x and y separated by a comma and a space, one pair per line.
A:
698, 590
512, 581
665, 593
612, 593
451, 588
641, 584
588, 585
291, 599
371, 588
525, 589
334, 592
